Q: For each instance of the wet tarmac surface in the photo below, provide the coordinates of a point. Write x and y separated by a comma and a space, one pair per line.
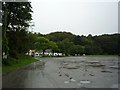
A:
65, 72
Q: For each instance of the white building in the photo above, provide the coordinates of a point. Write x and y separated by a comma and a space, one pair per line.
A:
47, 52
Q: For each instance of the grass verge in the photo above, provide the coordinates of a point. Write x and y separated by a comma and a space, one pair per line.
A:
21, 62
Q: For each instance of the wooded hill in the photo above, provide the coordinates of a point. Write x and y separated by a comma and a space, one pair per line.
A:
69, 43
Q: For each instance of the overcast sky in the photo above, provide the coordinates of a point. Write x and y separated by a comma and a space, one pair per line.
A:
81, 17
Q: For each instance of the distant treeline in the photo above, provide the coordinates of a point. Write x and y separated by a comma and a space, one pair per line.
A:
71, 44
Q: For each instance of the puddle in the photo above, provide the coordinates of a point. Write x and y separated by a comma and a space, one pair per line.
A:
85, 81
95, 65
114, 67
65, 63
72, 80
94, 62
81, 86
78, 66
92, 74
66, 82
106, 71
71, 67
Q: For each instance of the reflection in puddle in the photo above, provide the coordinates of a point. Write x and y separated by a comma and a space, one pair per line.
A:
85, 81
66, 82
72, 80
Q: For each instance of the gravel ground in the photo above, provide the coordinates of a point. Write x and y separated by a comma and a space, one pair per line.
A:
66, 72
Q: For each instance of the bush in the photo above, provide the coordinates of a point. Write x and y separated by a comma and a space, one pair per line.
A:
14, 54
9, 61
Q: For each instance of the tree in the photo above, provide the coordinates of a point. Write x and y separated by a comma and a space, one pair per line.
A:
109, 43
64, 46
5, 47
53, 46
92, 49
16, 19
32, 38
18, 15
77, 40
42, 44
76, 49
60, 36
86, 40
